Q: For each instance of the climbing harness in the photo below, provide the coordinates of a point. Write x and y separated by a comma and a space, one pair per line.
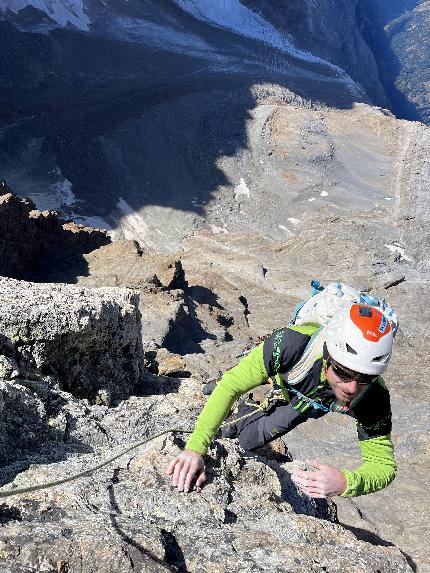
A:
91, 470
262, 407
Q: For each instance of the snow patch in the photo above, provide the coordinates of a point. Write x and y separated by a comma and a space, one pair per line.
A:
311, 199
62, 191
294, 221
62, 11
396, 248
324, 194
283, 228
242, 188
94, 222
218, 230
57, 196
134, 226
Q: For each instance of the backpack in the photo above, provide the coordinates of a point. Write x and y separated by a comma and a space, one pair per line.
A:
320, 308
324, 303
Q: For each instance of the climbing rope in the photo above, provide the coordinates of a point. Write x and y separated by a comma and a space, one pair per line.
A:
46, 485
91, 470
262, 407
274, 396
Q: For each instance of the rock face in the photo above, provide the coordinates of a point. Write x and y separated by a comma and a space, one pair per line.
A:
397, 32
330, 30
362, 220
34, 243
254, 168
127, 517
91, 345
23, 419
175, 317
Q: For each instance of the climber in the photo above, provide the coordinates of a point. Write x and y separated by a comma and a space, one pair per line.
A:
346, 379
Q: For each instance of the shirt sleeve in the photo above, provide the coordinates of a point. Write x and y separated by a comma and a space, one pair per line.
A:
378, 468
248, 374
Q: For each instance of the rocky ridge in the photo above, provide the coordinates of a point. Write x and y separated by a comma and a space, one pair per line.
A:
235, 195
241, 274
127, 516
33, 242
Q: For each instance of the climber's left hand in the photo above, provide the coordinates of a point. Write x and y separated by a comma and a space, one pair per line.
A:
324, 482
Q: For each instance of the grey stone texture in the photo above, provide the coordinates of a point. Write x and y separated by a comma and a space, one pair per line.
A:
86, 338
127, 517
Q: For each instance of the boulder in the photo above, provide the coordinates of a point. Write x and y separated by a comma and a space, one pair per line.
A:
169, 364
22, 420
89, 339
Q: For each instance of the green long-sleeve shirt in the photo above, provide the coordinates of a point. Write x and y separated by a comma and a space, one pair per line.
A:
378, 466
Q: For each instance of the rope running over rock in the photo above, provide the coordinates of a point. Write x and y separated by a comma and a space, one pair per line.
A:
91, 470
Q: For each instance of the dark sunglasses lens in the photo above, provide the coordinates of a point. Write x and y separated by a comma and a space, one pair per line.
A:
345, 376
365, 379
340, 373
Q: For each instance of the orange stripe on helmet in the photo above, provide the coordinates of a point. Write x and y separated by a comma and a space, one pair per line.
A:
372, 323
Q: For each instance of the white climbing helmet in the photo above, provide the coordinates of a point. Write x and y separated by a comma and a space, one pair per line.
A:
360, 337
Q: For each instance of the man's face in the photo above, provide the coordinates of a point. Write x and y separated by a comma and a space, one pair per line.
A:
344, 387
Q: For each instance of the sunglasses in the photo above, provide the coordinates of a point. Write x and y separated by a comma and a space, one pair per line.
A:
347, 375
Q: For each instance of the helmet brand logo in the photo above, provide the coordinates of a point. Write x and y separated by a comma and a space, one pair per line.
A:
383, 324
371, 333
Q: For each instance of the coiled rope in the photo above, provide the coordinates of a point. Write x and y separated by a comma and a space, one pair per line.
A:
91, 470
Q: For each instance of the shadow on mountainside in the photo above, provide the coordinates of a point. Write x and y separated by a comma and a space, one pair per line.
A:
174, 558
131, 126
374, 21
38, 246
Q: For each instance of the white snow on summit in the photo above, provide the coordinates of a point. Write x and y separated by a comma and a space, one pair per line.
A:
62, 11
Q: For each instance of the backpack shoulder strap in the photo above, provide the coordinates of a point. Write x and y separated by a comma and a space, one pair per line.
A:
312, 352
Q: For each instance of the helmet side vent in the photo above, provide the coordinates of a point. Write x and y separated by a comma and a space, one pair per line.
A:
350, 349
382, 358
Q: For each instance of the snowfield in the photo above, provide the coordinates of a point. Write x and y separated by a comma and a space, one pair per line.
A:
227, 14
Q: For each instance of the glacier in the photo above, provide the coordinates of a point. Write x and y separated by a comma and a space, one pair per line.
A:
235, 17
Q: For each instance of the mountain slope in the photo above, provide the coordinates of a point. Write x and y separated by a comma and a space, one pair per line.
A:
100, 114
64, 13
398, 32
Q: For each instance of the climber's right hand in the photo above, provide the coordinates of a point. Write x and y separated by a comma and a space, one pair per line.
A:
185, 468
